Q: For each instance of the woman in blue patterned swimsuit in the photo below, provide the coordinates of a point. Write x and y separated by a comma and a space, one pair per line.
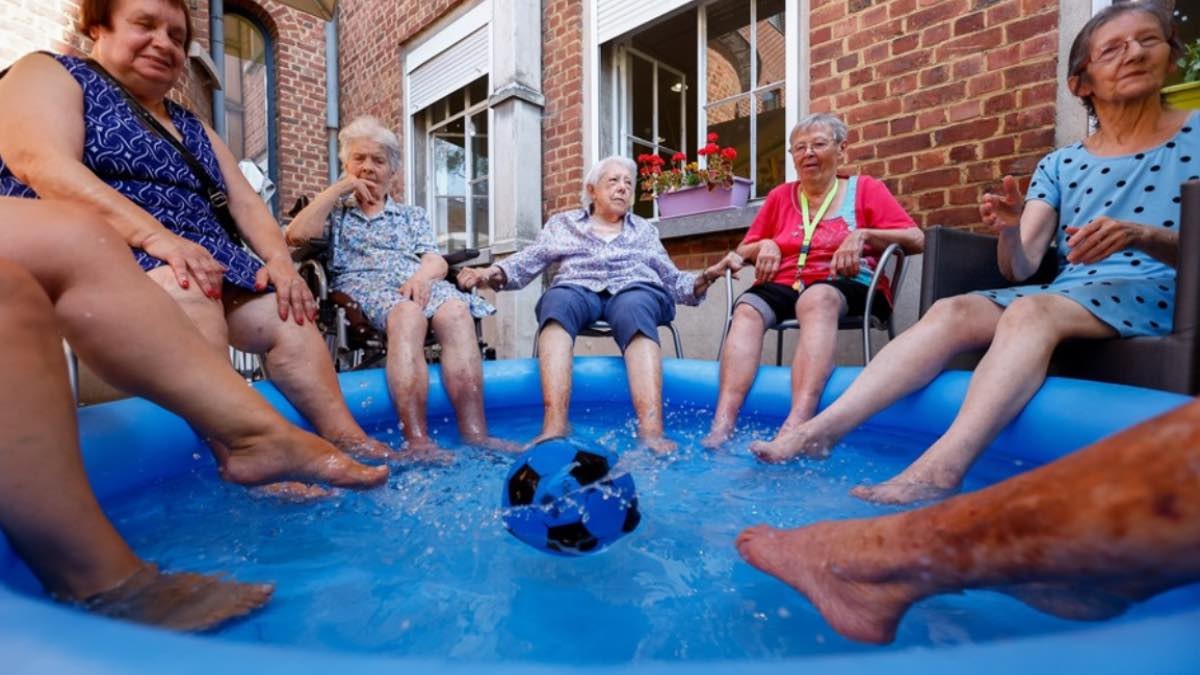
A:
1111, 204
67, 133
386, 258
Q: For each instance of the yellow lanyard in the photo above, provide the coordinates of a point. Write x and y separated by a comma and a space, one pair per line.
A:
810, 227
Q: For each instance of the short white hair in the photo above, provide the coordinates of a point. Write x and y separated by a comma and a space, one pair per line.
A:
369, 128
597, 171
832, 122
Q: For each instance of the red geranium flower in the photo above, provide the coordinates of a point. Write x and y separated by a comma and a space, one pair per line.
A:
712, 137
729, 153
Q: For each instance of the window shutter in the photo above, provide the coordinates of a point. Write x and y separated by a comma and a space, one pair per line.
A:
454, 68
617, 17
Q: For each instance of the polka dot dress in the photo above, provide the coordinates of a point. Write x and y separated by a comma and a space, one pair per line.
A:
1129, 290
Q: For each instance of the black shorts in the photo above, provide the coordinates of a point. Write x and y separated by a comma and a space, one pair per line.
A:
777, 302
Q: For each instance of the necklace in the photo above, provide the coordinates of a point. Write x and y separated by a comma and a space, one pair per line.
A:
810, 226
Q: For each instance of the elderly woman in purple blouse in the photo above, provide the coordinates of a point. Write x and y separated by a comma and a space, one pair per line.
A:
612, 267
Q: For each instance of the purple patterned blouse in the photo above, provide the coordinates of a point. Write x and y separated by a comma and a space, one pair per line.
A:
635, 255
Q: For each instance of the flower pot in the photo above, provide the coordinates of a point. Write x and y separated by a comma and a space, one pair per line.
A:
699, 199
1184, 96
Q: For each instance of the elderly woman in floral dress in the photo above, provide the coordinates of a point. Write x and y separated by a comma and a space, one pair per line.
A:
612, 267
385, 257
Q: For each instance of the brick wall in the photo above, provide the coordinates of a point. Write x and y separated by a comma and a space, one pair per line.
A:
373, 37
943, 97
299, 44
562, 85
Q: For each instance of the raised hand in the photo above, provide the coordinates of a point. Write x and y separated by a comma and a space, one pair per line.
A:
1003, 211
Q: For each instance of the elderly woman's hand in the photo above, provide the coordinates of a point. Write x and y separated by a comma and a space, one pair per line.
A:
417, 289
732, 262
1001, 212
188, 260
364, 190
291, 293
847, 258
1101, 238
470, 278
766, 261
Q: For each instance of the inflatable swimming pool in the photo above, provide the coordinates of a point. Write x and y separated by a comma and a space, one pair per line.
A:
132, 444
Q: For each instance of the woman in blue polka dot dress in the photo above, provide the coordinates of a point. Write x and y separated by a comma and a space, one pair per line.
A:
1111, 204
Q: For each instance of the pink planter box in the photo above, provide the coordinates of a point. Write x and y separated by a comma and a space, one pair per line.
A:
700, 199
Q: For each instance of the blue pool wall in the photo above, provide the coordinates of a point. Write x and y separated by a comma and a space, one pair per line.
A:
133, 443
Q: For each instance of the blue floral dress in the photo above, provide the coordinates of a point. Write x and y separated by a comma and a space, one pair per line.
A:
374, 256
1129, 290
144, 167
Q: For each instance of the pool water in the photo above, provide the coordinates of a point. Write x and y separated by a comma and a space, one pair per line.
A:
425, 568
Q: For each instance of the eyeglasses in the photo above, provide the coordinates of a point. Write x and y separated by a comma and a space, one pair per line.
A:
816, 146
1116, 50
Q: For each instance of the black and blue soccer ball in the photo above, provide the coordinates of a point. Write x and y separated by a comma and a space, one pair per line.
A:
564, 498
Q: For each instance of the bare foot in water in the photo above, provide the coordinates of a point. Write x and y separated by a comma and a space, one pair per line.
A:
183, 601
425, 451
921, 481
365, 448
812, 561
790, 443
898, 491
660, 444
290, 454
293, 491
718, 435
492, 443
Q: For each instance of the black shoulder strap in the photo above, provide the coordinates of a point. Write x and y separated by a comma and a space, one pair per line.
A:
216, 197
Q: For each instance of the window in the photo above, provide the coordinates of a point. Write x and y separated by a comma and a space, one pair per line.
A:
456, 171
249, 99
718, 68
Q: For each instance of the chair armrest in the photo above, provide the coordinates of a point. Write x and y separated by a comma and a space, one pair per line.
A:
314, 273
957, 262
1187, 275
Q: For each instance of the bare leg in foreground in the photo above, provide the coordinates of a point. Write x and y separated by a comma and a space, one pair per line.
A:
555, 350
1081, 538
47, 508
137, 338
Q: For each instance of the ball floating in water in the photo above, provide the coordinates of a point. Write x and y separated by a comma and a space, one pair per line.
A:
563, 497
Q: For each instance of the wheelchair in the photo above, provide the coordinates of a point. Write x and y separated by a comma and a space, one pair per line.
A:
353, 342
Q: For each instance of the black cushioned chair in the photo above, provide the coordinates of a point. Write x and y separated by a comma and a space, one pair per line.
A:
958, 262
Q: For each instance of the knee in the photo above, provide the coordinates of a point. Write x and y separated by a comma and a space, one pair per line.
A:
23, 299
953, 312
1027, 314
746, 316
453, 313
406, 318
821, 302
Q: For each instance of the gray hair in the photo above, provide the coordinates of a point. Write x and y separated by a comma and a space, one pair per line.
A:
369, 128
1081, 48
597, 170
832, 122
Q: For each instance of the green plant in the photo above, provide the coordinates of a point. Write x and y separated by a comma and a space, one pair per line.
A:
656, 178
1189, 63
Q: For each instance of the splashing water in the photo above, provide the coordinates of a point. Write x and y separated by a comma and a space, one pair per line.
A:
424, 567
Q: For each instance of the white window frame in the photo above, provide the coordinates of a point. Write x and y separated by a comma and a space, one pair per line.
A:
477, 17
472, 109
795, 85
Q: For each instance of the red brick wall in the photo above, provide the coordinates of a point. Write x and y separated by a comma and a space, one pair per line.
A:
299, 49
943, 97
562, 85
373, 37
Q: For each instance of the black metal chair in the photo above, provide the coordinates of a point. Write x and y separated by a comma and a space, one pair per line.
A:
865, 322
958, 262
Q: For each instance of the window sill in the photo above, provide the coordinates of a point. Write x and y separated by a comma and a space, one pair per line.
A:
708, 223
